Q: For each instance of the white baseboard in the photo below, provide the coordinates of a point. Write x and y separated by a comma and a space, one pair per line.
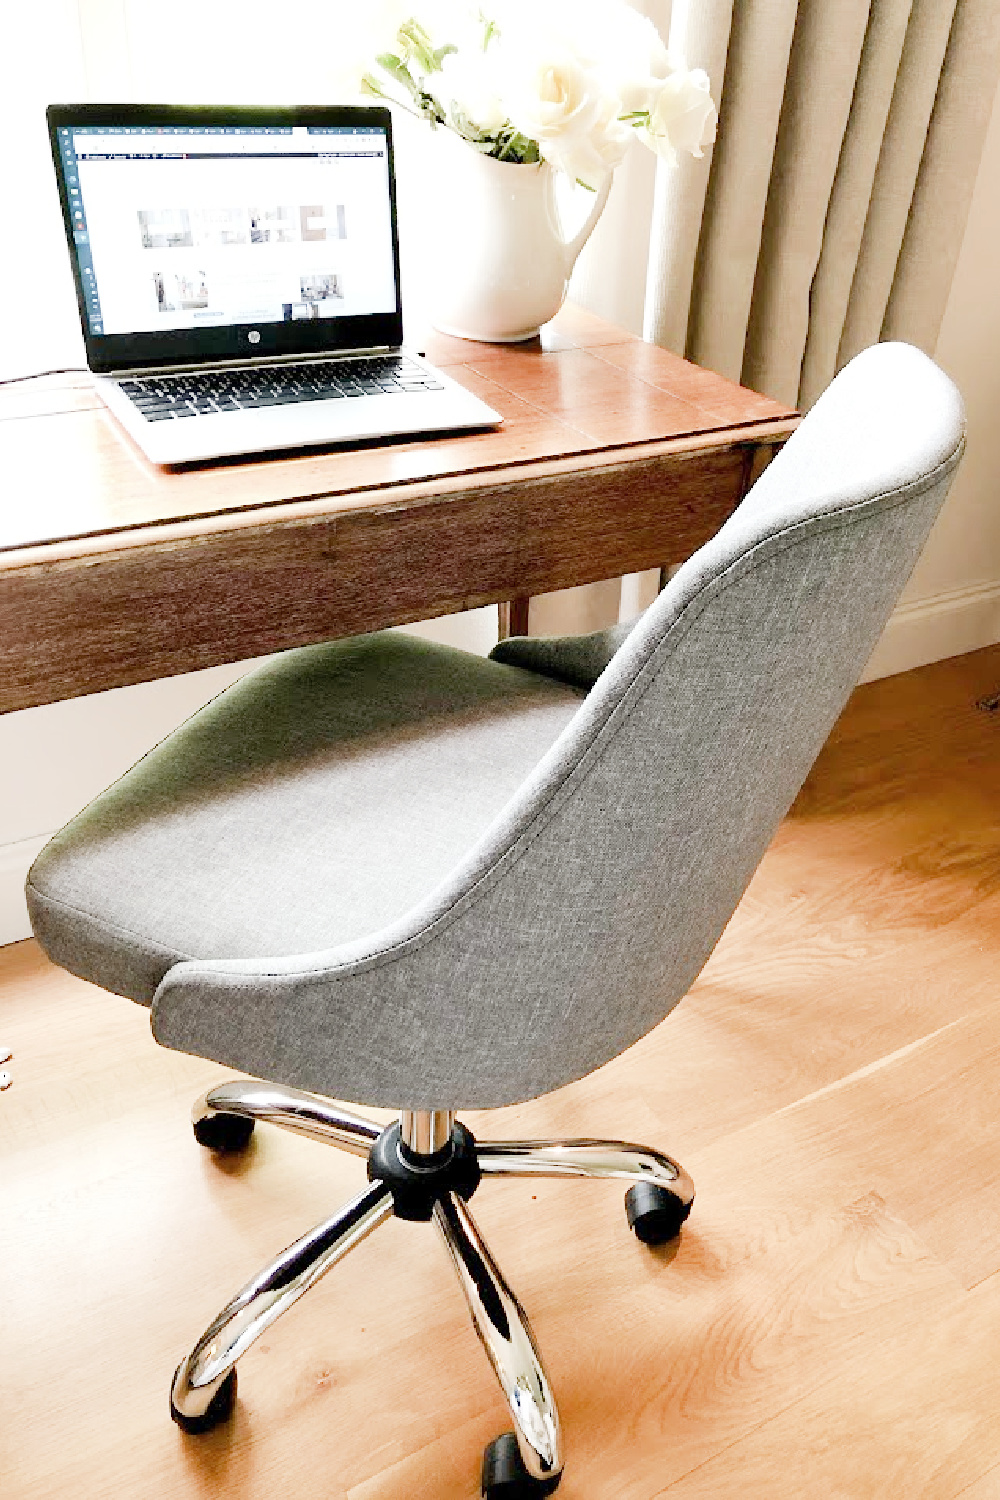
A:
15, 862
938, 626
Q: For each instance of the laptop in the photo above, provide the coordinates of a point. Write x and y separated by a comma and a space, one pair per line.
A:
237, 274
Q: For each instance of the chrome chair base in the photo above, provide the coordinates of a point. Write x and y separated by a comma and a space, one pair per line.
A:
205, 1383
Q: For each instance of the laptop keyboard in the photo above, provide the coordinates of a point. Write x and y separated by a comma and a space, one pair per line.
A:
164, 397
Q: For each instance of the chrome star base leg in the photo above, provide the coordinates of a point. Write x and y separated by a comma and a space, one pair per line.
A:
229, 1112
584, 1158
656, 1205
200, 1378
425, 1166
507, 1338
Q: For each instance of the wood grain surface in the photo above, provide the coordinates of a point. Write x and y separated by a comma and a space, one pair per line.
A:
113, 571
827, 1326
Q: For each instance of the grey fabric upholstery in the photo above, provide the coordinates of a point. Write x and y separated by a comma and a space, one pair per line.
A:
312, 803
576, 659
540, 939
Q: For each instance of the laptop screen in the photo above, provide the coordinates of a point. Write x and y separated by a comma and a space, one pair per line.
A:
200, 234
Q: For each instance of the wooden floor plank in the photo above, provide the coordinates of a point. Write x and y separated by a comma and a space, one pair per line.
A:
915, 1416
827, 1325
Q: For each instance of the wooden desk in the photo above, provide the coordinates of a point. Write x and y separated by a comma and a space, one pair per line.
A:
615, 456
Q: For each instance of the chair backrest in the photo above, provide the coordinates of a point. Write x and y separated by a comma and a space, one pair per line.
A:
592, 903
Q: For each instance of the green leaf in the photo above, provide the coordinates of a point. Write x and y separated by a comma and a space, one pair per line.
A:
419, 45
398, 70
512, 146
431, 108
464, 127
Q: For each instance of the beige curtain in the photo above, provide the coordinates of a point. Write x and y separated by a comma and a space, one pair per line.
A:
829, 215
832, 210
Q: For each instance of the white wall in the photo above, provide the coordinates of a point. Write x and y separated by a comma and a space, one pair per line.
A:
952, 602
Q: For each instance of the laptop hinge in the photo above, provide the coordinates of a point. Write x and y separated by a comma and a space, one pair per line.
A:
144, 371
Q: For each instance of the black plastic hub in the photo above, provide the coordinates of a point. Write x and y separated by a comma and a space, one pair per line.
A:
416, 1182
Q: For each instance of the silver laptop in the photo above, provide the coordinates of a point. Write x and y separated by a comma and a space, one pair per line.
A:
237, 273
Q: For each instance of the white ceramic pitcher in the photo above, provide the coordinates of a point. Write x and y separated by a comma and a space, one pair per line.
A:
503, 260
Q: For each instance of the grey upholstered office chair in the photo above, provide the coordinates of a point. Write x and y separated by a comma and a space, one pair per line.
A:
395, 873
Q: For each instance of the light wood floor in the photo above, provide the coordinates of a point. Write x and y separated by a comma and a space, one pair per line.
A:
829, 1325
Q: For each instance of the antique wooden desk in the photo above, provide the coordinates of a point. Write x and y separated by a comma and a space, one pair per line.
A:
615, 456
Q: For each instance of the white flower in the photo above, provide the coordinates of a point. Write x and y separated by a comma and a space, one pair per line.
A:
558, 101
470, 88
682, 116
633, 58
572, 81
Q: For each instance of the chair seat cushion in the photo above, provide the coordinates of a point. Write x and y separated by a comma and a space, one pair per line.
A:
312, 803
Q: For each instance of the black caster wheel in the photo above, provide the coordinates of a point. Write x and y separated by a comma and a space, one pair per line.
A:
224, 1132
219, 1408
504, 1474
655, 1215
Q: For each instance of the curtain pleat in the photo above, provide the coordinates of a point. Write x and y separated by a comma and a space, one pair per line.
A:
701, 34
729, 245
896, 174
833, 210
852, 194
822, 71
947, 176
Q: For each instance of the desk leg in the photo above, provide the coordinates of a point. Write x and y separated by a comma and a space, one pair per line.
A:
757, 461
513, 618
